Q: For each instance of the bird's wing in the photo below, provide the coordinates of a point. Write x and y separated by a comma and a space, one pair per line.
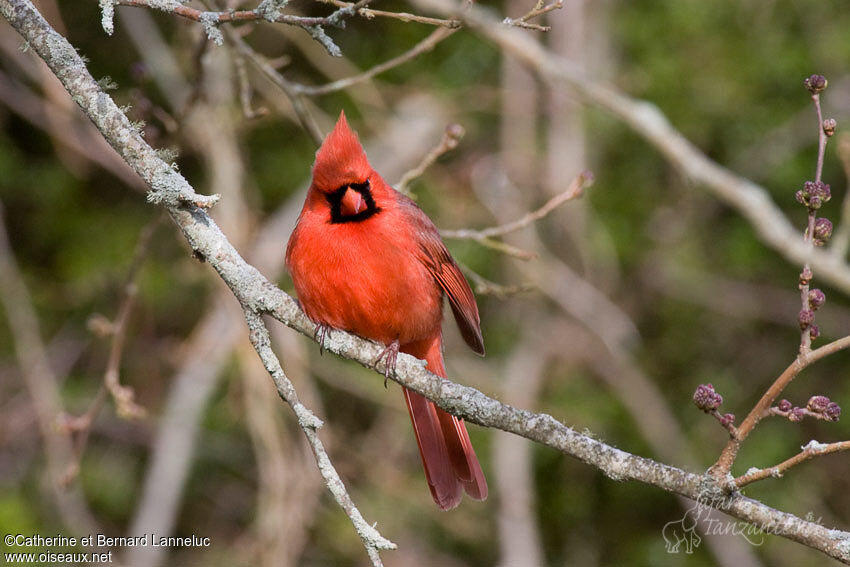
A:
434, 255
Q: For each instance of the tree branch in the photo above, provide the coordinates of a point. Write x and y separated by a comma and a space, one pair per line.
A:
267, 10
809, 451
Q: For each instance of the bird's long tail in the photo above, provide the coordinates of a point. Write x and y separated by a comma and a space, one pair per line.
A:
450, 463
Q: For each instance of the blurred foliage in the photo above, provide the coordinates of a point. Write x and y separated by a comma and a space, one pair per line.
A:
728, 75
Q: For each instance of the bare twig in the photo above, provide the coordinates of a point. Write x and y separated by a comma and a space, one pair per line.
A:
484, 236
423, 46
268, 10
483, 286
123, 396
40, 382
840, 242
809, 451
809, 235
290, 89
575, 190
309, 423
245, 91
370, 13
539, 9
792, 415
452, 136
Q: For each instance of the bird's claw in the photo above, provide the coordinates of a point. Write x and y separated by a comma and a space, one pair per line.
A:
319, 335
391, 355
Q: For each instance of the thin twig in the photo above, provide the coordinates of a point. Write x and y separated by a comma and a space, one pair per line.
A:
483, 286
241, 16
309, 423
290, 89
41, 385
840, 242
267, 10
794, 415
370, 13
539, 9
810, 451
423, 46
452, 136
248, 111
809, 235
123, 396
484, 237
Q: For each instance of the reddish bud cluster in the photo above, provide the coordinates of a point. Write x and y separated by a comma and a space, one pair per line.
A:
817, 404
806, 318
825, 407
706, 399
829, 126
823, 231
815, 83
833, 411
814, 194
819, 407
816, 299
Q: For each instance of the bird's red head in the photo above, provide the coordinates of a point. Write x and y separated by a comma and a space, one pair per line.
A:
341, 160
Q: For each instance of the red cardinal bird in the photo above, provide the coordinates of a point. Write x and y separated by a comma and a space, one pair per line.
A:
366, 259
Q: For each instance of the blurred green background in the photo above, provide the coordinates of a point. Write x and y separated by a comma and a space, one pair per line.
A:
693, 296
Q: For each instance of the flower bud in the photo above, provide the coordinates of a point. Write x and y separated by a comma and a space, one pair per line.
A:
727, 419
814, 331
816, 299
815, 83
806, 318
814, 194
833, 411
784, 405
823, 231
829, 126
818, 404
706, 399
797, 414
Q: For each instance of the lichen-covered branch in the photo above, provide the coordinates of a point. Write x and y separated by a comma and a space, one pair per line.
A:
267, 10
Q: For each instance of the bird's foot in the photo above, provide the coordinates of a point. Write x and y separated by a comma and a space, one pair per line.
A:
319, 335
390, 353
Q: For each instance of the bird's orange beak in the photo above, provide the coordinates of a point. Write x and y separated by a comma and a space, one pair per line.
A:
352, 203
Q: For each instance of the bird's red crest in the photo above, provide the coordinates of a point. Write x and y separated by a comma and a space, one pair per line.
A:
341, 159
